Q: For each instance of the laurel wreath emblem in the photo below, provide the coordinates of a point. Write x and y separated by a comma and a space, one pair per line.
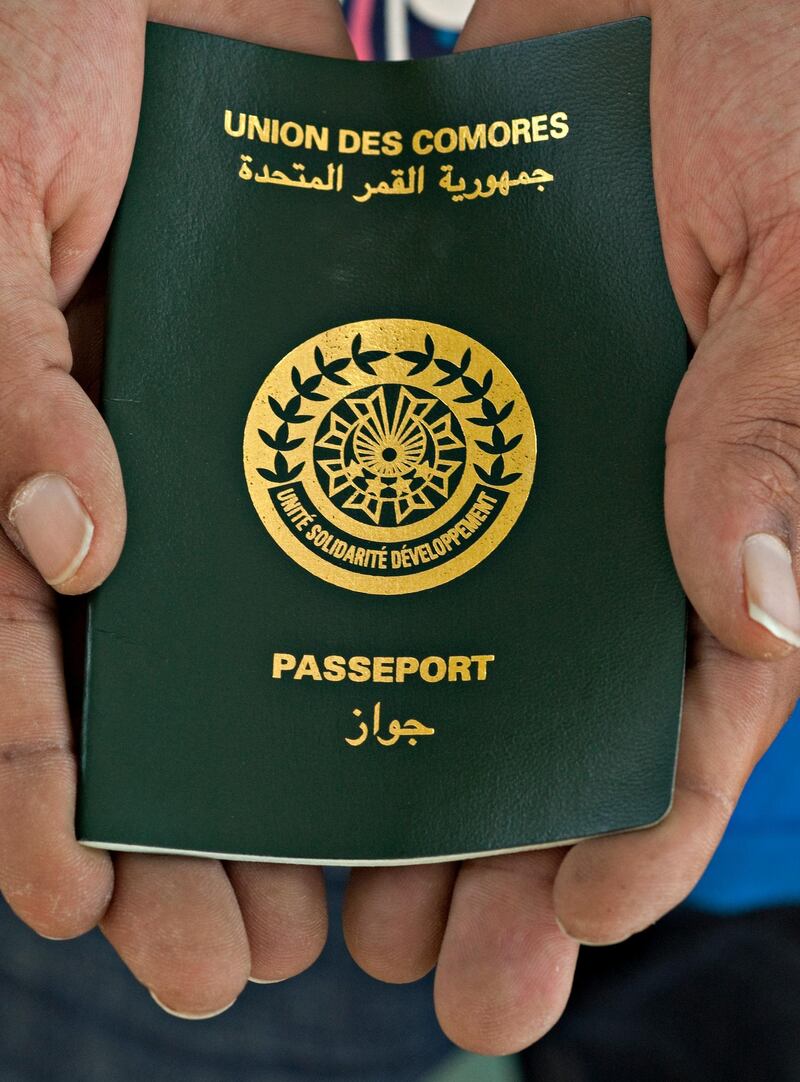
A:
476, 391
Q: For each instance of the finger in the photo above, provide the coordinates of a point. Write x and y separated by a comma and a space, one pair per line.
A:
733, 449
505, 968
285, 914
176, 924
732, 494
307, 26
283, 907
60, 182
608, 888
58, 887
61, 497
495, 22
394, 919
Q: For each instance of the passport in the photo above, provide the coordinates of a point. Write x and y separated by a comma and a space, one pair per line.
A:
391, 349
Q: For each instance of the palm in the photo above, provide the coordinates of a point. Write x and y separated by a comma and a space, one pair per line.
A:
725, 162
191, 931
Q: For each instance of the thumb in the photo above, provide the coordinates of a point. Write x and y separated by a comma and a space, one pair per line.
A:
61, 496
732, 495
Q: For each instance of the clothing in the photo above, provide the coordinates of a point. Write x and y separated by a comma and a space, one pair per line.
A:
71, 1012
758, 862
697, 998
399, 29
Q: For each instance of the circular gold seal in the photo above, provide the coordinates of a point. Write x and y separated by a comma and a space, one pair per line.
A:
389, 456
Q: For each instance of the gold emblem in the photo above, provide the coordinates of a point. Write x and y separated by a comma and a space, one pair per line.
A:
389, 456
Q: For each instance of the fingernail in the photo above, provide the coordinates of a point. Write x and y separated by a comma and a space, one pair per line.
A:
772, 598
255, 980
588, 942
605, 943
189, 1017
53, 525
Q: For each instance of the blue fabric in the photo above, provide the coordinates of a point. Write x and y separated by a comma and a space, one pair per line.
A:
758, 861
421, 38
71, 1011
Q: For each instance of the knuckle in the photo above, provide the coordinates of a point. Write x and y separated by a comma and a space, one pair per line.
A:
32, 754
26, 610
33, 336
719, 805
767, 443
772, 467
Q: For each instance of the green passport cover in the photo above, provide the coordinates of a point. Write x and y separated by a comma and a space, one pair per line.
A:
391, 351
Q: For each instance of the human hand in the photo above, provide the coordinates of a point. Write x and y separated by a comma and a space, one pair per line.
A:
192, 931
726, 154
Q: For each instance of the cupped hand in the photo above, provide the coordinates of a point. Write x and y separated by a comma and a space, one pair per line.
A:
725, 139
193, 931
504, 931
